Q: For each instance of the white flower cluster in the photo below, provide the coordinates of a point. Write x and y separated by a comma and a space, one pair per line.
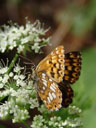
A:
55, 122
21, 93
74, 110
24, 38
40, 121
10, 108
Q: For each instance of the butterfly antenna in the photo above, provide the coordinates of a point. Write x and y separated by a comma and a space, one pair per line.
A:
29, 61
25, 58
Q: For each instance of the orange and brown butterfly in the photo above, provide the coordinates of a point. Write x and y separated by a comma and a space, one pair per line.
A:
55, 74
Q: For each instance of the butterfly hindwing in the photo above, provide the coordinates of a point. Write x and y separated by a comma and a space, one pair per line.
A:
53, 64
72, 67
49, 92
67, 94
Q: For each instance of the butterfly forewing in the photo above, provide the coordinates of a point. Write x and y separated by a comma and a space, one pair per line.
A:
53, 64
49, 92
72, 67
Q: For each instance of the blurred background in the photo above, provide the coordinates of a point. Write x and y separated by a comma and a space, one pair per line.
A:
73, 24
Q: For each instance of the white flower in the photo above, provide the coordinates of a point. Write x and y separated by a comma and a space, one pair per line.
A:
5, 79
39, 122
22, 77
3, 70
20, 48
20, 114
74, 110
16, 77
11, 74
74, 122
4, 93
1, 85
36, 47
17, 68
13, 36
3, 46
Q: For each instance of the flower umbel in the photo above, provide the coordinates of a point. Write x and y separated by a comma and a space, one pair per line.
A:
21, 94
41, 121
23, 38
49, 119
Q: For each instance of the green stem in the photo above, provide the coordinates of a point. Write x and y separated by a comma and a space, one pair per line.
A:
12, 63
26, 125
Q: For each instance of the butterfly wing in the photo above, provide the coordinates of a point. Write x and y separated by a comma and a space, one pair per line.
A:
53, 64
51, 71
49, 92
67, 94
72, 67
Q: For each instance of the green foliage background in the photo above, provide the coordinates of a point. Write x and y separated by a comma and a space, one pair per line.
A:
85, 88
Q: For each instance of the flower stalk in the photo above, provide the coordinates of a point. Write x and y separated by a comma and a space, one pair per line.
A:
12, 63
25, 123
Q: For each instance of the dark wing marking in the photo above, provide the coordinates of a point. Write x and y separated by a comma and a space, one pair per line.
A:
72, 67
67, 94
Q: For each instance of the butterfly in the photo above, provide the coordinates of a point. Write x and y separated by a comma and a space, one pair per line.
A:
55, 74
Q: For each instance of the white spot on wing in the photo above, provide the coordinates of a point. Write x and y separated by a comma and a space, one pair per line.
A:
43, 75
54, 96
56, 48
62, 51
61, 56
48, 100
44, 101
50, 96
53, 85
61, 60
57, 52
50, 80
44, 80
45, 83
52, 88
43, 88
47, 62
